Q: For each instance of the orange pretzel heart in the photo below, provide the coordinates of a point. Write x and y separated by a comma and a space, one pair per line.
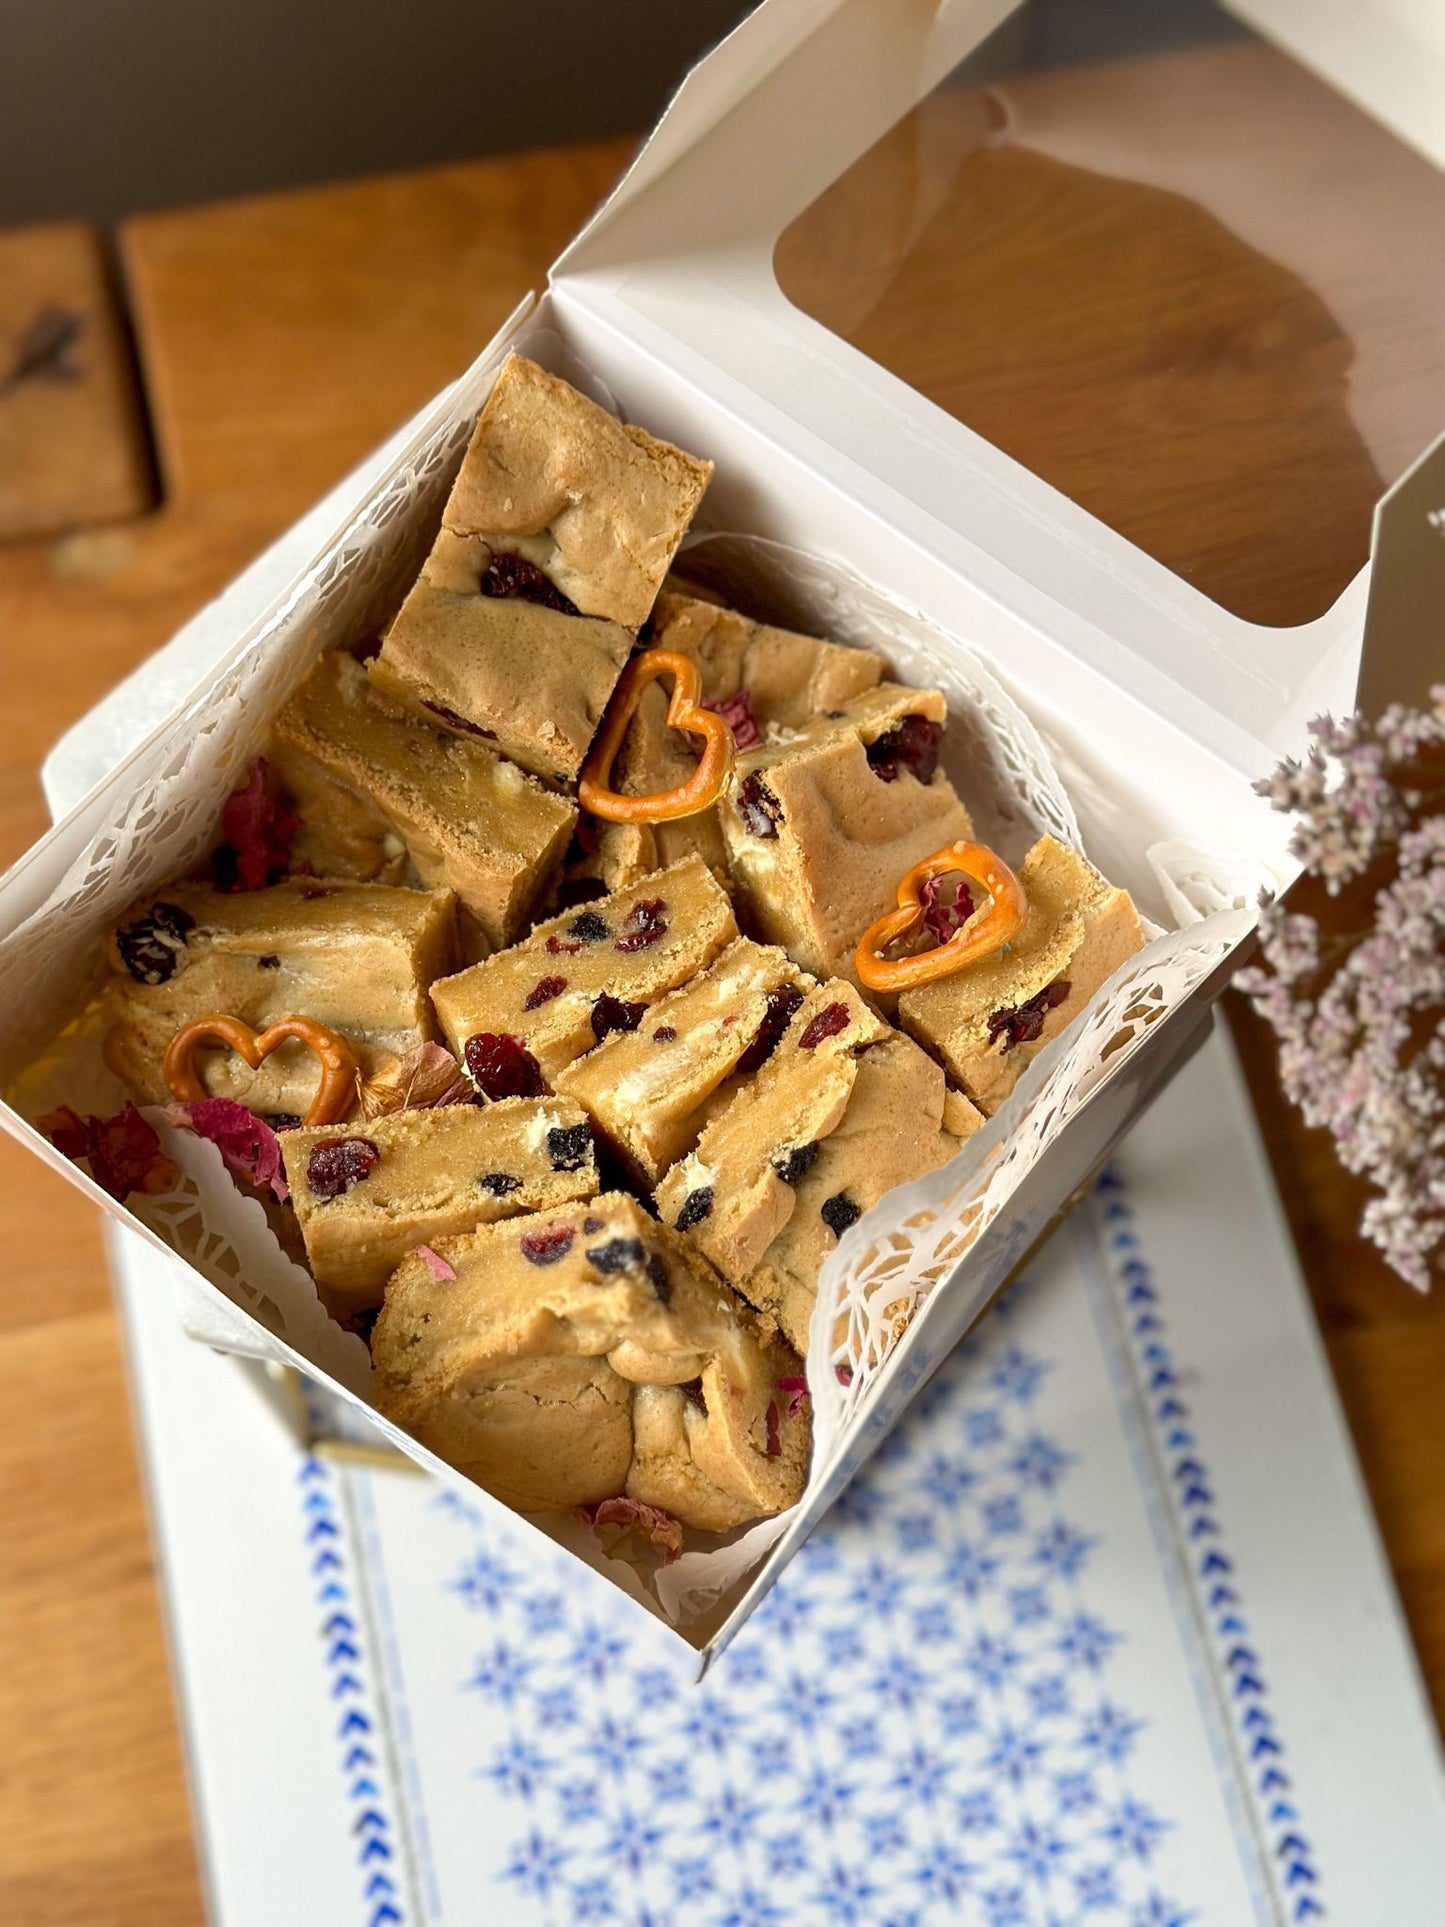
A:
684, 711
984, 932
335, 1093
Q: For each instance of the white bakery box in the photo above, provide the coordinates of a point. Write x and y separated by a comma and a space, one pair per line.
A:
865, 513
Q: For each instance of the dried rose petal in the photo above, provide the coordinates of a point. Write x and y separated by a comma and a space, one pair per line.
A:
829, 1021
124, 1152
611, 1013
627, 1516
426, 1079
546, 1247
543, 992
797, 1394
941, 919
645, 924
257, 825
435, 1264
912, 744
502, 1066
247, 1142
339, 1162
1024, 1023
737, 713
843, 1374
509, 574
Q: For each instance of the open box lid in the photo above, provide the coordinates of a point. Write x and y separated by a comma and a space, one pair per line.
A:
681, 259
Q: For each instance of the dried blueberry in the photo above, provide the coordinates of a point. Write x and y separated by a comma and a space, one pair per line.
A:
547, 1247
759, 809
911, 744
611, 1013
793, 1164
152, 947
509, 574
1024, 1023
657, 1277
664, 1034
695, 1207
339, 1162
502, 1066
838, 1212
454, 721
500, 1184
645, 924
783, 1000
268, 963
829, 1021
283, 1120
569, 1146
543, 991
589, 927
618, 1254
591, 1224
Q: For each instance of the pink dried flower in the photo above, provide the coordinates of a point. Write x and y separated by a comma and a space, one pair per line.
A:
941, 918
435, 1264
247, 1142
614, 1520
1361, 1018
737, 712
123, 1151
257, 825
796, 1392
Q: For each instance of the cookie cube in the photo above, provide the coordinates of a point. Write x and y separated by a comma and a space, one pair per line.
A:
554, 542
367, 775
650, 1091
358, 957
763, 679
822, 824
526, 1369
735, 1192
578, 977
367, 1197
986, 1023
898, 1124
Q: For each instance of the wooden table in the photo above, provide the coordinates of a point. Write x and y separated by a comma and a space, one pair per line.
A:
280, 339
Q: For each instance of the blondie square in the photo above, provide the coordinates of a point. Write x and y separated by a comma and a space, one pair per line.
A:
821, 824
581, 976
986, 1023
365, 1198
358, 957
526, 1369
651, 1090
468, 819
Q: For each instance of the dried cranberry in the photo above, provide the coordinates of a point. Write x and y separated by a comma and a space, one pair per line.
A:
547, 1247
911, 744
838, 1212
692, 1391
339, 1162
759, 809
645, 924
791, 1165
454, 721
501, 1184
543, 991
737, 713
152, 947
941, 919
555, 947
695, 1207
611, 1013
664, 1034
589, 928
1024, 1023
829, 1021
775, 1432
509, 574
783, 1000
502, 1066
569, 1146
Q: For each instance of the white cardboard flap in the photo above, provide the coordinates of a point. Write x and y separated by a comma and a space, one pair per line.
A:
681, 258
